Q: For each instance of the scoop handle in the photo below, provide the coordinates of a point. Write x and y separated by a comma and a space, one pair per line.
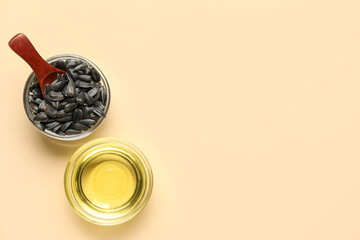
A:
24, 48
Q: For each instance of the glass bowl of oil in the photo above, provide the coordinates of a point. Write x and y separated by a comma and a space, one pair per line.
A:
108, 181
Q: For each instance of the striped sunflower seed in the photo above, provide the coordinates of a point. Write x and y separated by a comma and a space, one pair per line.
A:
41, 117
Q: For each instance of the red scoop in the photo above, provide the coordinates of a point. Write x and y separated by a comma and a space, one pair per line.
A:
44, 72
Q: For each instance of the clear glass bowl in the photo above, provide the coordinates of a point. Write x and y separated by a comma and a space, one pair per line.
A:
104, 213
30, 114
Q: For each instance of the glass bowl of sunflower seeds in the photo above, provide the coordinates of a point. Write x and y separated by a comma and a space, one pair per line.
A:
74, 105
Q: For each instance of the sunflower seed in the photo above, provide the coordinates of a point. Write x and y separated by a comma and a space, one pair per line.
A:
61, 65
85, 78
55, 96
99, 105
98, 112
38, 101
103, 95
31, 98
93, 116
51, 120
51, 125
65, 119
41, 117
97, 96
37, 93
86, 112
80, 67
77, 114
62, 113
46, 89
72, 63
79, 126
71, 75
58, 85
80, 98
42, 104
69, 107
58, 78
34, 107
56, 128
88, 122
65, 126
50, 111
89, 100
72, 132
69, 90
95, 75
83, 84
61, 133
93, 91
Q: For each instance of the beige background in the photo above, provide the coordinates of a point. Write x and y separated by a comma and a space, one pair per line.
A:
248, 111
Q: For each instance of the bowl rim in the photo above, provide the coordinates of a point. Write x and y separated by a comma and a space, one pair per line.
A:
125, 146
68, 137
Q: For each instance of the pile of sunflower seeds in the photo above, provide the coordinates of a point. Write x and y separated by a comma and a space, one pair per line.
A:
73, 103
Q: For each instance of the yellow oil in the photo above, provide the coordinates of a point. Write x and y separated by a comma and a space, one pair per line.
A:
109, 181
